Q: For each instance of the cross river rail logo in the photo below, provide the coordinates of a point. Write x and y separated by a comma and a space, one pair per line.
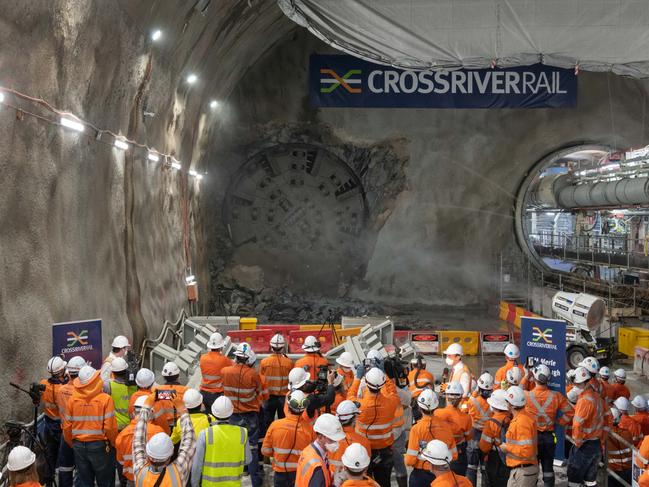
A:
77, 342
334, 81
541, 338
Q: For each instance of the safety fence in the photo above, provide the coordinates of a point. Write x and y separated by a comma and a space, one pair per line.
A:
473, 342
512, 314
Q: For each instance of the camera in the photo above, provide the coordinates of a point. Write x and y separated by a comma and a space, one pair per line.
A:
321, 379
531, 362
395, 369
165, 394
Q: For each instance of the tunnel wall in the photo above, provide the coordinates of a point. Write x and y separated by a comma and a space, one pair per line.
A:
88, 231
432, 238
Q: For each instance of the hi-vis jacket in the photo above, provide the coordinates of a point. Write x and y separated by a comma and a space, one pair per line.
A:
351, 436
548, 407
49, 398
90, 414
124, 445
499, 378
167, 411
493, 431
310, 460
620, 456
274, 371
428, 428
478, 410
590, 419
521, 440
243, 386
424, 380
642, 418
212, 363
461, 425
311, 362
285, 440
642, 461
632, 426
379, 415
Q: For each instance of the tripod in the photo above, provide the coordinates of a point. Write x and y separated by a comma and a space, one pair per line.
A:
329, 322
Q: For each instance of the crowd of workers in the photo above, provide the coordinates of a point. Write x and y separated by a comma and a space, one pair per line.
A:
348, 425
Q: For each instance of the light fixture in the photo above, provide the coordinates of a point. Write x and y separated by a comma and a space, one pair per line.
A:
153, 156
156, 35
120, 144
176, 165
199, 176
190, 278
2, 97
193, 173
72, 124
549, 213
192, 78
214, 104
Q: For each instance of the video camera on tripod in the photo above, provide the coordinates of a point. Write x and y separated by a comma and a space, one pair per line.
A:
395, 368
321, 381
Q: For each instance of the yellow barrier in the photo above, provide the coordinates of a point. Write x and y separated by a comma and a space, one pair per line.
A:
470, 341
248, 324
630, 337
503, 311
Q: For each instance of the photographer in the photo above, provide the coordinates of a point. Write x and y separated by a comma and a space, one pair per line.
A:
320, 392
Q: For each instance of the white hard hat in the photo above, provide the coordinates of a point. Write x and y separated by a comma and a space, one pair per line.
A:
297, 377
617, 415
346, 409
243, 351
581, 375
454, 349
374, 355
311, 344
498, 400
514, 376
252, 358
56, 365
542, 373
512, 351
192, 398
144, 378
486, 381
454, 389
297, 401
604, 372
20, 457
573, 395
515, 396
622, 403
140, 402
428, 400
570, 375
356, 458
222, 408
590, 364
118, 365
278, 341
170, 369
75, 364
375, 378
216, 341
86, 373
345, 360
160, 447
120, 342
639, 402
329, 426
437, 453
620, 373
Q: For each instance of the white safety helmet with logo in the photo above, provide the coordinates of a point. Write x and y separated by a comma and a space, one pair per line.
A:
454, 389
542, 373
118, 365
86, 373
278, 342
486, 382
437, 453
216, 341
346, 410
454, 349
311, 344
75, 364
144, 378
622, 403
356, 458
328, 426
297, 377
590, 364
120, 341
581, 375
514, 376
511, 351
345, 360
160, 447
428, 400
375, 378
192, 398
605, 372
170, 369
374, 355
516, 397
243, 351
620, 375
639, 403
498, 400
56, 365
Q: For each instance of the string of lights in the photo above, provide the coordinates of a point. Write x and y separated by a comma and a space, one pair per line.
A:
72, 122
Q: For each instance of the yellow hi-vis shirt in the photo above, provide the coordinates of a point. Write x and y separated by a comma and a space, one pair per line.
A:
200, 421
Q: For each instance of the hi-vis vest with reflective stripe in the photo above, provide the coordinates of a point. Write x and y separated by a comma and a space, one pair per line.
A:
121, 394
478, 413
212, 363
306, 465
274, 370
48, 399
225, 455
147, 477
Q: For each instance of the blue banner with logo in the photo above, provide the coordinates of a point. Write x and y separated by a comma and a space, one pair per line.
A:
346, 81
78, 338
543, 341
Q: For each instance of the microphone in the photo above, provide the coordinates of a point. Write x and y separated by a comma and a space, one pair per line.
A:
445, 374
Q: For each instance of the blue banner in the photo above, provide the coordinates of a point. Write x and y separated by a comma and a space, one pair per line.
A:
346, 81
543, 341
78, 338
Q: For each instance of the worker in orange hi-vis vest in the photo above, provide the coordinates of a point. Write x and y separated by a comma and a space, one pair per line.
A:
212, 363
52, 417
548, 408
607, 391
168, 398
493, 435
313, 360
627, 422
274, 371
512, 354
460, 423
347, 412
618, 389
439, 456
642, 462
479, 412
620, 451
355, 462
641, 415
313, 467
459, 372
144, 379
346, 367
